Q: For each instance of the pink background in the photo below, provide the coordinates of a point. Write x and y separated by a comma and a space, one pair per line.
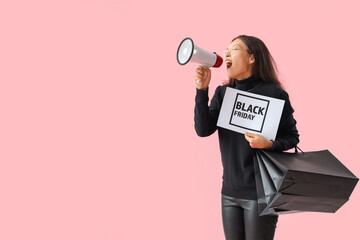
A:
96, 127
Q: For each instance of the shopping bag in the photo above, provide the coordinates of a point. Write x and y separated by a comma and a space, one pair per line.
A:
298, 182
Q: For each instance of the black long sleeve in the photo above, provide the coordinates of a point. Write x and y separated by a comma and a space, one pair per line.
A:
206, 116
287, 136
236, 153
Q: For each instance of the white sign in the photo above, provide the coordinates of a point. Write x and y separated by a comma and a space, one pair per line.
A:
248, 112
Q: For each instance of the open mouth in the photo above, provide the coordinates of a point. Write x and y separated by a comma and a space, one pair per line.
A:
228, 63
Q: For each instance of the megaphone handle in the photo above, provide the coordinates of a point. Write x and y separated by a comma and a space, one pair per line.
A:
205, 75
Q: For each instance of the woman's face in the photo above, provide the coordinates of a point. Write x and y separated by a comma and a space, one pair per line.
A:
239, 63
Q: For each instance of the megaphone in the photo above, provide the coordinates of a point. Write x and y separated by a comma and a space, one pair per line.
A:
189, 52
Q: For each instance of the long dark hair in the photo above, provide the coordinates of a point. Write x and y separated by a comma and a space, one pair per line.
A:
265, 66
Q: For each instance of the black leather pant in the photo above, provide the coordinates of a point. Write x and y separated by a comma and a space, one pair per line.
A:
241, 220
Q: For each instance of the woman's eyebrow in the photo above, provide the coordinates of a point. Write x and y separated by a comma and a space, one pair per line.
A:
235, 45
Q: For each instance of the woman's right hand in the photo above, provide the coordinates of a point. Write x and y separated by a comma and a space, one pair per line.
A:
202, 77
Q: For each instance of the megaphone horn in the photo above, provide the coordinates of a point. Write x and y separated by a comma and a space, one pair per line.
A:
189, 52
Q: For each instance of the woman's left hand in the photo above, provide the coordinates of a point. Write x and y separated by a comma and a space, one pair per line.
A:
258, 141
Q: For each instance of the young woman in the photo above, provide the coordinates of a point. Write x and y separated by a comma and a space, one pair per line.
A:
250, 67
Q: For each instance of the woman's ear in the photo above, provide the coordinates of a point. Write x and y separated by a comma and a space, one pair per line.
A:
252, 58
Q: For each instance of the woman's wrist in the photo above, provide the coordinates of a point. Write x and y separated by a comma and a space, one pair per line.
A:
270, 144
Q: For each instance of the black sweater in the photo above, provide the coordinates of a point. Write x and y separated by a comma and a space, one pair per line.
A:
236, 153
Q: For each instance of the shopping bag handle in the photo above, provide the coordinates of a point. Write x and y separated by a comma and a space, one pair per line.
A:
296, 149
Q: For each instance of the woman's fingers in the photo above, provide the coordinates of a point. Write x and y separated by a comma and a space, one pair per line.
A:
258, 141
251, 135
202, 77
